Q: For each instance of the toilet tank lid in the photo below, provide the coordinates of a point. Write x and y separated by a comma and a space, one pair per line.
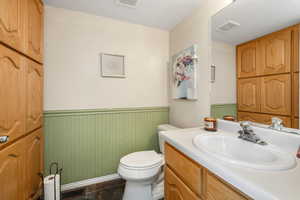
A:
166, 127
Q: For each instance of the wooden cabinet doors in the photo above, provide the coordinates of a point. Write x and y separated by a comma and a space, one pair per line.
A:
275, 53
34, 162
276, 94
35, 23
12, 23
296, 94
34, 95
12, 92
11, 172
247, 60
249, 94
175, 189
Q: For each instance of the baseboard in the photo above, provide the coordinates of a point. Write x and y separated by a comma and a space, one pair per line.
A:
92, 181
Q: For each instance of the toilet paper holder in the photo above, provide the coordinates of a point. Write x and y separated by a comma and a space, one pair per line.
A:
55, 171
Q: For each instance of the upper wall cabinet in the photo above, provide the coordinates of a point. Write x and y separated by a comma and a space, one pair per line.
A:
275, 53
34, 95
12, 92
246, 60
12, 23
276, 94
35, 23
249, 94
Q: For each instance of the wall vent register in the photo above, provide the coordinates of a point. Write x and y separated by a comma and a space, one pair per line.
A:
128, 3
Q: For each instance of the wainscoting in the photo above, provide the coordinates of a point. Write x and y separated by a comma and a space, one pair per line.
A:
219, 110
90, 143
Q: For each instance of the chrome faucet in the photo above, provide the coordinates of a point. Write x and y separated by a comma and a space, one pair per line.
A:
248, 134
276, 124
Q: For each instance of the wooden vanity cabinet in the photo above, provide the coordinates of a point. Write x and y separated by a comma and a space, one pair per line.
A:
188, 180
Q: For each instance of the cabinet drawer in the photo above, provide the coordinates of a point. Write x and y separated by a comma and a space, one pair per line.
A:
186, 169
176, 189
217, 190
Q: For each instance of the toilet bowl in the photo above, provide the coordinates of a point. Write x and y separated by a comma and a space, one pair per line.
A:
143, 172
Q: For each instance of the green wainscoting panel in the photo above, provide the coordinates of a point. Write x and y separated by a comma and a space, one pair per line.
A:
90, 143
219, 110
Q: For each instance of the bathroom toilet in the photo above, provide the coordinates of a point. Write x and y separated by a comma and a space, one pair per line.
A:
143, 172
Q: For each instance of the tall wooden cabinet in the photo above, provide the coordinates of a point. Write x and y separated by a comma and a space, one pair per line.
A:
268, 78
21, 94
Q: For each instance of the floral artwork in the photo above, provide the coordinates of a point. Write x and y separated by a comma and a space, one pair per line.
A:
184, 74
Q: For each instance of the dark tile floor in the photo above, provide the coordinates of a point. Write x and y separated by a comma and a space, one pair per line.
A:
111, 190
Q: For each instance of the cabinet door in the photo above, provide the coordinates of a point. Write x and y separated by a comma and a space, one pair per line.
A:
276, 94
12, 91
275, 53
296, 123
217, 190
34, 93
249, 95
34, 162
175, 189
11, 173
246, 60
296, 94
12, 23
296, 43
35, 25
252, 117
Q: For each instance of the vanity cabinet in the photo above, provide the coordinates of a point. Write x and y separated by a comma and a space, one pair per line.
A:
269, 84
188, 180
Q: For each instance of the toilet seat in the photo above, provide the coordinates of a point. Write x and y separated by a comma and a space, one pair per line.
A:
142, 160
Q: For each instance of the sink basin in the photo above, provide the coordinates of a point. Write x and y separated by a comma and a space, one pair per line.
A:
243, 153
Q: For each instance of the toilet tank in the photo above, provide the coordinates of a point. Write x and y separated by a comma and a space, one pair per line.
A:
160, 129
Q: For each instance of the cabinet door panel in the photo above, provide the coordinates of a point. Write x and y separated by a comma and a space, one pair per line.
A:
12, 23
249, 94
217, 190
276, 94
12, 106
35, 24
175, 189
247, 60
34, 102
296, 94
11, 173
296, 123
275, 53
34, 162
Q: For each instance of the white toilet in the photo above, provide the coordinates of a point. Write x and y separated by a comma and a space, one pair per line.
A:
143, 172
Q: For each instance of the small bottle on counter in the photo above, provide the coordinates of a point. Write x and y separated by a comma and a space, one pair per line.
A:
229, 118
210, 124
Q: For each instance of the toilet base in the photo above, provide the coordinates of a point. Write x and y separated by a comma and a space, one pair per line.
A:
137, 191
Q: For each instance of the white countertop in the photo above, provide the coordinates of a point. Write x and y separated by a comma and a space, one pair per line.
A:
258, 184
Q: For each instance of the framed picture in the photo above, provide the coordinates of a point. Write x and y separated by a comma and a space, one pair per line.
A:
184, 73
112, 65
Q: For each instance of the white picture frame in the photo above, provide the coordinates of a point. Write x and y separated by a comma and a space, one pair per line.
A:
112, 65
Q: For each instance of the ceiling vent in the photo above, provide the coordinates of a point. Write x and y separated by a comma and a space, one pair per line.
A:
228, 26
128, 3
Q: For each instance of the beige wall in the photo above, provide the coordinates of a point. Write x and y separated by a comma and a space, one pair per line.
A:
223, 90
195, 30
73, 42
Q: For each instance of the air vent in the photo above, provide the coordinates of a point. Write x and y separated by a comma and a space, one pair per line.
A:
228, 26
128, 3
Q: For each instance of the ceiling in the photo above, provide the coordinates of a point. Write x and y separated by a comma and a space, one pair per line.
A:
163, 14
256, 18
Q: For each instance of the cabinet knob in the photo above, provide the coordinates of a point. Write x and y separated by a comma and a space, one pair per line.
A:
4, 139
